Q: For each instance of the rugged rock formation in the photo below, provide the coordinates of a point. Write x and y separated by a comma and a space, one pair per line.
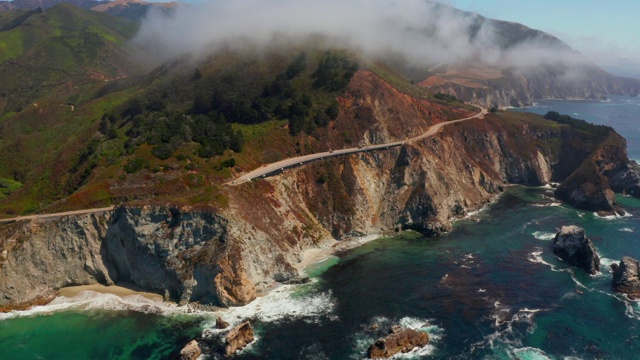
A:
191, 351
224, 256
626, 277
401, 340
572, 246
239, 337
221, 324
502, 86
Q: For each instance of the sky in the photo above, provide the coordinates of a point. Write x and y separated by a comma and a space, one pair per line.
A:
597, 28
605, 31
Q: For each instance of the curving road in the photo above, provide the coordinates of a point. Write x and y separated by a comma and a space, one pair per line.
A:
66, 213
301, 160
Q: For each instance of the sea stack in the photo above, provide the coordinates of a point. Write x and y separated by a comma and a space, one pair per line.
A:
626, 277
239, 337
191, 351
573, 247
401, 340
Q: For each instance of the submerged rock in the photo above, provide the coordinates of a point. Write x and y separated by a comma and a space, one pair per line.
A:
239, 337
401, 340
191, 351
572, 246
626, 277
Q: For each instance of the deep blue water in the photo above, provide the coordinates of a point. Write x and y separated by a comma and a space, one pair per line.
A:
490, 290
620, 112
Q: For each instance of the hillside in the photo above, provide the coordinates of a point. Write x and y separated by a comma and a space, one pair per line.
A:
532, 65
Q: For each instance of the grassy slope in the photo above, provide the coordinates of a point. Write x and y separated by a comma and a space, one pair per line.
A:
66, 64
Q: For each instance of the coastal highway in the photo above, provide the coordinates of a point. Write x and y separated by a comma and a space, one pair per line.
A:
272, 168
267, 169
66, 213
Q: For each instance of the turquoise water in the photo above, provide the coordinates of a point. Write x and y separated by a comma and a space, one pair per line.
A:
96, 334
488, 290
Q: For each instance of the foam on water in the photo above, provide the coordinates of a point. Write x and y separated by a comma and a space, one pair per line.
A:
530, 353
280, 304
612, 217
544, 235
91, 300
626, 229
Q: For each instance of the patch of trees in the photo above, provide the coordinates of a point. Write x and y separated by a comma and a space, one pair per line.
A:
168, 130
290, 95
201, 106
445, 97
578, 124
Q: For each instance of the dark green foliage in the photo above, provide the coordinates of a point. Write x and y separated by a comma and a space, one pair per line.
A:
334, 72
333, 110
493, 109
578, 124
229, 163
19, 20
297, 66
134, 165
445, 97
163, 151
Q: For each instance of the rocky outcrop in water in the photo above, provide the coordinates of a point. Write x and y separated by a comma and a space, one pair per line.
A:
573, 247
191, 351
401, 340
239, 337
626, 277
221, 324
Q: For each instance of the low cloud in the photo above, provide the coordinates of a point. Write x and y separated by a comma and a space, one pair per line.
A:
426, 33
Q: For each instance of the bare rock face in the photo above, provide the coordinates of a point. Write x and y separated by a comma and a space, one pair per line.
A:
626, 277
401, 340
221, 324
239, 337
191, 351
572, 246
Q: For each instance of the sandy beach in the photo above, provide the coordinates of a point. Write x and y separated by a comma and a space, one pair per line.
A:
73, 291
312, 256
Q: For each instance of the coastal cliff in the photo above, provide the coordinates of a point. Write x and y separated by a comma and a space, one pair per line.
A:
489, 85
226, 256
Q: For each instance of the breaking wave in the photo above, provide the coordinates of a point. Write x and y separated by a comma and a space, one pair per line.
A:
544, 235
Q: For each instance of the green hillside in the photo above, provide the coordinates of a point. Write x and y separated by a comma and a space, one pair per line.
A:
82, 125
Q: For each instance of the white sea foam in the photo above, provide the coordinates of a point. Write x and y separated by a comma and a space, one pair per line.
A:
544, 235
530, 353
91, 300
549, 204
612, 217
536, 257
281, 303
626, 229
606, 263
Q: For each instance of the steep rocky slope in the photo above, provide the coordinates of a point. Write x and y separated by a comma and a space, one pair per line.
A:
226, 255
505, 86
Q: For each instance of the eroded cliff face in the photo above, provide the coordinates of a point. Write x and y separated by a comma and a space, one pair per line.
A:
489, 86
227, 256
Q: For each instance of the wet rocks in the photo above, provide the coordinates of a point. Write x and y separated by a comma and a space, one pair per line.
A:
573, 247
191, 351
401, 340
221, 324
239, 337
626, 277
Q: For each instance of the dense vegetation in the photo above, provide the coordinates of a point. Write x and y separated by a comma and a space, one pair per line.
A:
578, 124
307, 100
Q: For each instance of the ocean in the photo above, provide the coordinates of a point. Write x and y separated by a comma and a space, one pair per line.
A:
490, 289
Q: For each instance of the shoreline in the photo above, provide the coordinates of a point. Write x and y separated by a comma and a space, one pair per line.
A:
120, 291
315, 255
